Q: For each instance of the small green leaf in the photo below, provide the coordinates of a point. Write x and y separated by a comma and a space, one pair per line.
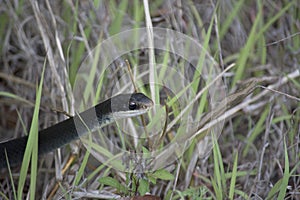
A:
152, 179
143, 187
163, 174
113, 183
145, 150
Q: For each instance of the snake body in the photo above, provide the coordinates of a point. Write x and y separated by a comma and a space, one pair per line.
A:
62, 133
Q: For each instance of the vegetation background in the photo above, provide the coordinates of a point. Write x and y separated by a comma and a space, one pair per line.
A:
258, 153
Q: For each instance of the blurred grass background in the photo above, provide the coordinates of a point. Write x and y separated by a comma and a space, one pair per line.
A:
257, 155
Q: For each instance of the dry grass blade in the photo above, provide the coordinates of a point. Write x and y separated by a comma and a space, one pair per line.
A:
152, 70
237, 102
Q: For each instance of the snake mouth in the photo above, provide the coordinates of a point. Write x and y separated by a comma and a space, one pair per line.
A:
127, 114
147, 104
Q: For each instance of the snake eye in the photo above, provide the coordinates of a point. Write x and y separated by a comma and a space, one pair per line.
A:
132, 106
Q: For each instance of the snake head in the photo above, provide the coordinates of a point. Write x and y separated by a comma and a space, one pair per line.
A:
129, 105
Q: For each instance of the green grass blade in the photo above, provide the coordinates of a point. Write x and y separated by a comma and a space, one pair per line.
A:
233, 176
257, 130
82, 167
11, 177
274, 190
2, 195
31, 151
229, 18
242, 194
246, 51
286, 174
217, 181
217, 189
275, 17
13, 96
120, 13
